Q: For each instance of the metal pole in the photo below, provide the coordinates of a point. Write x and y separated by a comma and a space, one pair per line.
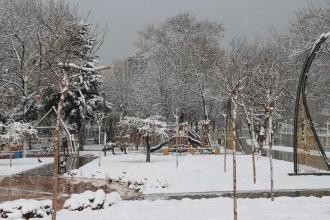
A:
327, 137
99, 145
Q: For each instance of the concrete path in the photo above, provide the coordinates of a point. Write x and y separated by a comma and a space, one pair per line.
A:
240, 194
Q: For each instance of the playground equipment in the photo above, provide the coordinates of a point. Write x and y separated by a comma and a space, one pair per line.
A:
186, 139
121, 141
308, 151
43, 144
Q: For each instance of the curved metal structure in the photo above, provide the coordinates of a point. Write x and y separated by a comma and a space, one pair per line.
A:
308, 150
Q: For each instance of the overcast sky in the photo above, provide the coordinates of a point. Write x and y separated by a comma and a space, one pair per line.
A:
125, 17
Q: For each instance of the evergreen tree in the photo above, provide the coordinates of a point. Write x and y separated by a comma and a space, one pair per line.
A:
86, 96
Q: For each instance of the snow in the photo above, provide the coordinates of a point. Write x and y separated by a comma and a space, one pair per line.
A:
324, 35
112, 198
91, 200
274, 147
199, 173
302, 208
21, 165
99, 199
75, 66
79, 201
16, 131
280, 148
153, 125
17, 209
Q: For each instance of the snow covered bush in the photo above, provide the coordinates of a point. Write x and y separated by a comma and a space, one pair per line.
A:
25, 209
91, 200
127, 179
16, 132
72, 173
137, 183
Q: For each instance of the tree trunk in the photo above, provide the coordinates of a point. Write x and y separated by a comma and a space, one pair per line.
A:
250, 121
234, 156
138, 140
99, 128
81, 133
105, 142
271, 154
148, 148
254, 165
177, 140
225, 144
253, 149
204, 107
56, 155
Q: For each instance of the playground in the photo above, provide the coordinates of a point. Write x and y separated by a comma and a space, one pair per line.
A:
166, 189
164, 165
187, 127
196, 174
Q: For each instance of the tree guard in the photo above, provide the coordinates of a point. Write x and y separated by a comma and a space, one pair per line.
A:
307, 148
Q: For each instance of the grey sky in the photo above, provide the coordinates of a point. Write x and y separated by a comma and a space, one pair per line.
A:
125, 17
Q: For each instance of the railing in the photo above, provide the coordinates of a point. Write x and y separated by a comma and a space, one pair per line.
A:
283, 135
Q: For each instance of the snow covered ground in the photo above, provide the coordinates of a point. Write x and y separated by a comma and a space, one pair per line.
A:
199, 173
21, 164
101, 206
280, 148
302, 208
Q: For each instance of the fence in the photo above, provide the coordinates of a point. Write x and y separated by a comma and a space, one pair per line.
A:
283, 134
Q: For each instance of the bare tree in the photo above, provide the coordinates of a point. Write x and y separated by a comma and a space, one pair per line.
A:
22, 68
182, 54
270, 91
234, 77
150, 127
